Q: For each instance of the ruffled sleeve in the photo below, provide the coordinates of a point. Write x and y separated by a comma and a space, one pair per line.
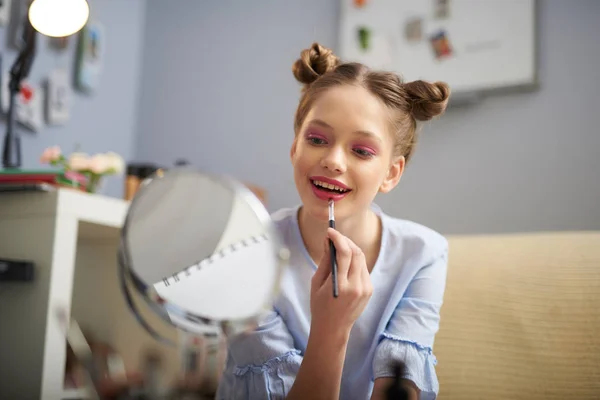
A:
410, 333
420, 363
262, 364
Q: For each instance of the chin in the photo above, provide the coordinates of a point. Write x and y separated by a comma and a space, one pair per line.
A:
316, 209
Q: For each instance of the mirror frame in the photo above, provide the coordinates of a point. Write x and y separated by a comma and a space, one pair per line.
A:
162, 308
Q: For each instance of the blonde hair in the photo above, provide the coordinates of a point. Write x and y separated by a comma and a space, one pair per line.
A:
318, 69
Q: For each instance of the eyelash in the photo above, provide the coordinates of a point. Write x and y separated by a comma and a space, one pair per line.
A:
364, 153
313, 139
317, 141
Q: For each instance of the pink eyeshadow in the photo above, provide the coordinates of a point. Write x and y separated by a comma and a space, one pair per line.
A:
313, 134
367, 148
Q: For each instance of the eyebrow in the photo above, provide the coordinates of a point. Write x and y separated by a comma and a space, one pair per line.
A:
359, 132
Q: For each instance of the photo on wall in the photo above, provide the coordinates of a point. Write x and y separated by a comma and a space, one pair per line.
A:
90, 57
363, 37
29, 104
413, 30
440, 45
441, 9
58, 99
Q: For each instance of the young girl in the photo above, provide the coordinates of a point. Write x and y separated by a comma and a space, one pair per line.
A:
355, 129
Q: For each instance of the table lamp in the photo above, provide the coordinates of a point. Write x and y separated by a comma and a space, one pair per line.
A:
55, 18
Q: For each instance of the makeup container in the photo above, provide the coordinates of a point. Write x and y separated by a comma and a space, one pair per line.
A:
136, 173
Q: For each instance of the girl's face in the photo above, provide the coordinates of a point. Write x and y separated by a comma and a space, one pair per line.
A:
344, 151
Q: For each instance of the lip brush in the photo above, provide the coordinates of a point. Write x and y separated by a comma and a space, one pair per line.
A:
334, 274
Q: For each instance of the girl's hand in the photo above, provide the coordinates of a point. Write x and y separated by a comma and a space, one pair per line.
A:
330, 314
320, 373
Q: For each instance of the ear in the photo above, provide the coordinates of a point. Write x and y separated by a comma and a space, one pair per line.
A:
293, 150
393, 175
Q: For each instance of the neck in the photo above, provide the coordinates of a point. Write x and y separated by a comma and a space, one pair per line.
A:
364, 229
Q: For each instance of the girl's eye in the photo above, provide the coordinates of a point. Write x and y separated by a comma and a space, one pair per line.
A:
364, 152
316, 139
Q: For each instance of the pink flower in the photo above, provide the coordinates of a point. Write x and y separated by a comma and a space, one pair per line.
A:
99, 164
79, 162
50, 155
115, 163
75, 177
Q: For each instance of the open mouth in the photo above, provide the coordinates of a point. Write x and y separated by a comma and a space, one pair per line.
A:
327, 187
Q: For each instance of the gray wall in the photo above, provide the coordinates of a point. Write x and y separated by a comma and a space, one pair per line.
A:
218, 87
105, 120
218, 90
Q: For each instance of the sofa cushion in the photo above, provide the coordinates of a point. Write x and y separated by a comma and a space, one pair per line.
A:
521, 317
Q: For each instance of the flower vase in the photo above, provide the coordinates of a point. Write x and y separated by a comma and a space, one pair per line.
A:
81, 171
94, 183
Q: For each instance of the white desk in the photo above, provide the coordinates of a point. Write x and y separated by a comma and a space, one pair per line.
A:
72, 238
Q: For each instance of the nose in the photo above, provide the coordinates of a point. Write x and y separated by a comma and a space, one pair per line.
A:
334, 160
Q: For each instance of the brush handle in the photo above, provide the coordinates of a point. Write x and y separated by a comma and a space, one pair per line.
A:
334, 269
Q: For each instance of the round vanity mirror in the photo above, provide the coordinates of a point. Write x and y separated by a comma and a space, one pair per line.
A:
202, 252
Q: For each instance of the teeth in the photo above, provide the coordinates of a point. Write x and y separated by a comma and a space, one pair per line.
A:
329, 186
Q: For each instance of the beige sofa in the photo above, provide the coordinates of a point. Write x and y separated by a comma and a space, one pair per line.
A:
521, 318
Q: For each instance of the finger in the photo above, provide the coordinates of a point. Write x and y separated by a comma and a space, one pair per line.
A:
358, 265
327, 283
324, 267
358, 275
365, 279
343, 252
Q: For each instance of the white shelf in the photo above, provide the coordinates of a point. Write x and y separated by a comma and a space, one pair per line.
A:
93, 208
46, 228
72, 238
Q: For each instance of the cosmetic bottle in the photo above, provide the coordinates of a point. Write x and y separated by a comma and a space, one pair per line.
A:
136, 173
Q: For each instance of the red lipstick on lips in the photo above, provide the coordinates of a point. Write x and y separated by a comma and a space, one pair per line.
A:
325, 194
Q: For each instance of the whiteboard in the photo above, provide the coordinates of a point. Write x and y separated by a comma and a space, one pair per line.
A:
473, 45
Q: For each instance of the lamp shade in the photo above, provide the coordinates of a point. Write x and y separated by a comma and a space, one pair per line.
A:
58, 18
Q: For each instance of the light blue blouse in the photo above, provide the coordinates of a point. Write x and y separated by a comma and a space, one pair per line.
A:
399, 322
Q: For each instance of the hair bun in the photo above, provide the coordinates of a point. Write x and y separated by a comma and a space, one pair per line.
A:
314, 62
428, 99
